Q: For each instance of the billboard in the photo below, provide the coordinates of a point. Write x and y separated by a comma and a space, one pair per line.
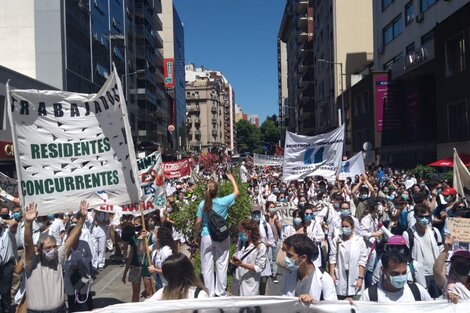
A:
169, 73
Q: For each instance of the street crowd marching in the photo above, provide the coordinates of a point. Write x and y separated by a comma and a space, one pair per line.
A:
367, 238
382, 235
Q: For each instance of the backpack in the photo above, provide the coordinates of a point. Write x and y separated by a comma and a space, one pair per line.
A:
373, 295
218, 228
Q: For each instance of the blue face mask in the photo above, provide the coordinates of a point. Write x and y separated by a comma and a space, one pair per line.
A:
275, 190
297, 221
242, 237
363, 197
290, 263
346, 231
255, 218
399, 281
282, 200
308, 218
16, 216
405, 197
345, 213
424, 221
447, 198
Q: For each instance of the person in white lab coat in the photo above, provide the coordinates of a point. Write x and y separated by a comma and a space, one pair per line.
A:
314, 229
348, 258
250, 260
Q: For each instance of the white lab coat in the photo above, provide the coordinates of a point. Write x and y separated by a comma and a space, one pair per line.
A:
358, 253
322, 283
267, 239
316, 233
246, 282
369, 225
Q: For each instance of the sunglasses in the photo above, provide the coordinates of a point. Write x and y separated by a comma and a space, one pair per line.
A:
306, 214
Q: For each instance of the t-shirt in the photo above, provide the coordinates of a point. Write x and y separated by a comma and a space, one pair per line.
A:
429, 258
45, 284
402, 295
219, 206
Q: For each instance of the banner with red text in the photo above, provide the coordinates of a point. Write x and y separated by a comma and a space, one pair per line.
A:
177, 169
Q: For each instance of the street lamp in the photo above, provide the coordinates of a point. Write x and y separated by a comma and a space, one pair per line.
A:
342, 114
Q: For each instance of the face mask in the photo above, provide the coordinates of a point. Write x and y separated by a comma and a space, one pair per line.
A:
256, 218
308, 218
447, 198
391, 197
282, 200
297, 221
276, 190
439, 191
16, 216
50, 255
272, 210
242, 237
399, 281
363, 197
5, 216
424, 221
345, 213
290, 193
346, 231
256, 191
301, 205
405, 197
290, 263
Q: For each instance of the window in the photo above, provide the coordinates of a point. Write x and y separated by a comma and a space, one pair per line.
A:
392, 30
386, 4
410, 48
426, 4
389, 64
458, 121
455, 55
409, 13
427, 37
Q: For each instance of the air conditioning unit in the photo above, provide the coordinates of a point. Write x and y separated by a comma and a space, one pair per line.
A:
420, 17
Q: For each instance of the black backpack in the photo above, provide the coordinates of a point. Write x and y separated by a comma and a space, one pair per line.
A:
373, 295
218, 228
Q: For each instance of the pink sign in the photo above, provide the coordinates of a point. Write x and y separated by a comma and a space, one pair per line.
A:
177, 169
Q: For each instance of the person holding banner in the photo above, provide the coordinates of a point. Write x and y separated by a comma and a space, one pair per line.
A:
210, 249
44, 274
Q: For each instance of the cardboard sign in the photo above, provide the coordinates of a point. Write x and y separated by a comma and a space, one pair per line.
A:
460, 229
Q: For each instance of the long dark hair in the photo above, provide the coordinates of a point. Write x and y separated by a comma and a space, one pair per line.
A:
165, 238
179, 273
211, 192
253, 228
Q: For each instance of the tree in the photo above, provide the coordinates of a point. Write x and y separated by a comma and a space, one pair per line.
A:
248, 137
270, 134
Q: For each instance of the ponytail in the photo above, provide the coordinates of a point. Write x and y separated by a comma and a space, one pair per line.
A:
211, 193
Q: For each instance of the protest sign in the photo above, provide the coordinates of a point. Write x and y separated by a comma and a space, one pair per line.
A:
267, 160
177, 169
459, 228
286, 210
266, 304
9, 189
352, 167
71, 147
313, 155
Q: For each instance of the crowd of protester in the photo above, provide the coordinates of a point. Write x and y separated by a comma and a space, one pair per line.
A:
381, 236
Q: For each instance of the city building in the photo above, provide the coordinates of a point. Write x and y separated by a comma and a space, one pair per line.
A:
174, 81
343, 45
419, 107
239, 115
210, 101
295, 67
253, 119
17, 81
71, 45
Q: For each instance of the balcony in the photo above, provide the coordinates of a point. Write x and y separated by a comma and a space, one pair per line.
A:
303, 37
194, 108
214, 109
197, 121
214, 133
197, 133
302, 21
214, 121
302, 6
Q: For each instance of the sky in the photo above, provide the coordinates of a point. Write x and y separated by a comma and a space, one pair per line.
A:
239, 39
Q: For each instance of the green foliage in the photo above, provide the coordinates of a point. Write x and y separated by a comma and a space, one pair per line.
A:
423, 171
248, 136
270, 134
449, 176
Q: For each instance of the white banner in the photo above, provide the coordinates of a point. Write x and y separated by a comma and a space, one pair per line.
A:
352, 167
71, 147
313, 155
283, 305
267, 160
461, 181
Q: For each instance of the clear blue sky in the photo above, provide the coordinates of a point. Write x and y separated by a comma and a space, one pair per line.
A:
238, 38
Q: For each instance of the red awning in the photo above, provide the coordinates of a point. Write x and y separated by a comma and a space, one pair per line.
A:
449, 161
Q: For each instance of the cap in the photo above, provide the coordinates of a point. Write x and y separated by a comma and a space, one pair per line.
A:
449, 191
396, 240
461, 253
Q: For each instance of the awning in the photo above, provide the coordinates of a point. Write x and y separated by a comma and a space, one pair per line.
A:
449, 161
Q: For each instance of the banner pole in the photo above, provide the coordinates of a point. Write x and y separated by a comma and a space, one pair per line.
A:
146, 244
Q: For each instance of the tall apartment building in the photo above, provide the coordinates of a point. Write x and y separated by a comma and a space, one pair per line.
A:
344, 41
424, 103
173, 53
295, 67
210, 101
71, 45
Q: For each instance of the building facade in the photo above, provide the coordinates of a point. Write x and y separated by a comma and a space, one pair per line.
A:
295, 67
71, 45
210, 101
174, 72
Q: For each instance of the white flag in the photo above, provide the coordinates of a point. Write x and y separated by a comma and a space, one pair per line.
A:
71, 147
352, 167
313, 155
461, 181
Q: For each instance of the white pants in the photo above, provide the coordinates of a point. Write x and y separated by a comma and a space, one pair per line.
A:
218, 251
99, 240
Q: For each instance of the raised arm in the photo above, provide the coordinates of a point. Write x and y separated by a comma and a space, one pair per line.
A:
439, 269
236, 192
83, 212
30, 214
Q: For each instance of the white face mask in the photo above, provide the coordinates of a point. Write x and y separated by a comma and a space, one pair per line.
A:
50, 255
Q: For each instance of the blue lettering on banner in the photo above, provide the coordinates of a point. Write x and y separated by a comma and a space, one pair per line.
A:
346, 168
313, 158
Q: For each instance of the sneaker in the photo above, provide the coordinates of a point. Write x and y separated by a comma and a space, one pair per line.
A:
275, 281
